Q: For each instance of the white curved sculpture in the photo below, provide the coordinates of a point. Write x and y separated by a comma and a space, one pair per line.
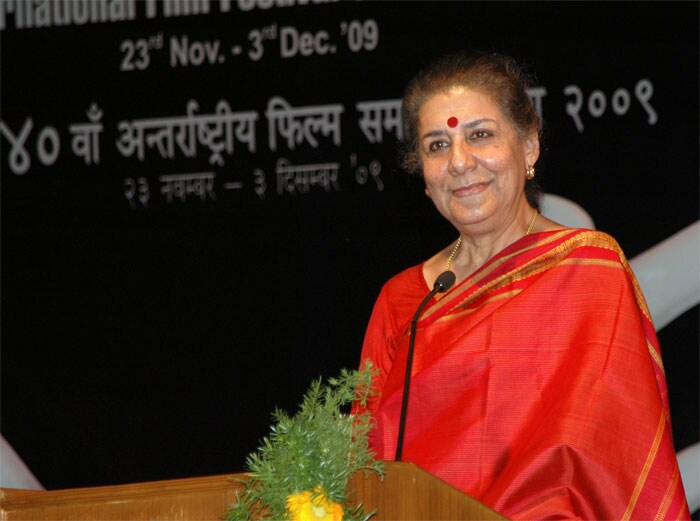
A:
13, 471
669, 274
565, 211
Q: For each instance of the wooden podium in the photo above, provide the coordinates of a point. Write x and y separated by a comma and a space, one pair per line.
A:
406, 493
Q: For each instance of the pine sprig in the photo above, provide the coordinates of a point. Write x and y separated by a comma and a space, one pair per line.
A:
316, 449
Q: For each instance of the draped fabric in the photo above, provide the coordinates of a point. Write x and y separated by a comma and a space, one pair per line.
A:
537, 384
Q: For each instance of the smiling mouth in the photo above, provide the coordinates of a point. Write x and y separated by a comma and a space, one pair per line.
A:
472, 189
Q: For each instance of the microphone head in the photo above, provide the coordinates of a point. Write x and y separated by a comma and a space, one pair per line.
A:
444, 281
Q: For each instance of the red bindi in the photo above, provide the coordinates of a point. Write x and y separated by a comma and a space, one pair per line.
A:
452, 122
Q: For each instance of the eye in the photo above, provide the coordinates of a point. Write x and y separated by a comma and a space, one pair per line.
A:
436, 146
480, 134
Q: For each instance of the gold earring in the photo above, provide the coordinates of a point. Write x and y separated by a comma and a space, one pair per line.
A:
530, 172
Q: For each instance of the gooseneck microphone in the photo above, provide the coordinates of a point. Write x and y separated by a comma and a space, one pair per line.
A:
444, 282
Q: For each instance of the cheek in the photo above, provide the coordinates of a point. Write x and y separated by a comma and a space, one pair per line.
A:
432, 172
498, 160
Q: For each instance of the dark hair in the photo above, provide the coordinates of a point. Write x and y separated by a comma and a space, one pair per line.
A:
491, 73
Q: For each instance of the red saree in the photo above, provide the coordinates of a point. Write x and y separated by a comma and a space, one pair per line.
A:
537, 384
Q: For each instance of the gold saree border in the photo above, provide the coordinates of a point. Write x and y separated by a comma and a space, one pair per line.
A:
668, 496
579, 238
651, 456
656, 356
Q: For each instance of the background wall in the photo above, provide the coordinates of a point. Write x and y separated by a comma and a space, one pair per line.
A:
160, 298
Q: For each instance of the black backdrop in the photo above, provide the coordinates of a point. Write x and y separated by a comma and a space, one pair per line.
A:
147, 339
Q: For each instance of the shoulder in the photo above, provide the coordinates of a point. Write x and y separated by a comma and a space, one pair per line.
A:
582, 253
552, 248
404, 288
604, 248
567, 240
595, 243
400, 295
410, 279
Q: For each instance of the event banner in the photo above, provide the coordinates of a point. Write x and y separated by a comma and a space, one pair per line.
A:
133, 105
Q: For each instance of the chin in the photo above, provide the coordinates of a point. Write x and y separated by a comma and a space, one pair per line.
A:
466, 216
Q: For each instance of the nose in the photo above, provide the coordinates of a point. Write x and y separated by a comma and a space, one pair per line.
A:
461, 157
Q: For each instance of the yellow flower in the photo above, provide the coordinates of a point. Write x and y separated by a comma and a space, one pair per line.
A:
302, 507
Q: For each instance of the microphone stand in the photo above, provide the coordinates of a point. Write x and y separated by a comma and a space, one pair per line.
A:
444, 282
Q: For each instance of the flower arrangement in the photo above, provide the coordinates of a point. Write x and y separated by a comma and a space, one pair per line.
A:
300, 472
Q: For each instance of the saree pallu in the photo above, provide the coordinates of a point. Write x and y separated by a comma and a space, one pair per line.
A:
537, 384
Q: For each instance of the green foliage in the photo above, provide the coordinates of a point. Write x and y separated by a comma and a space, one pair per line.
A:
320, 445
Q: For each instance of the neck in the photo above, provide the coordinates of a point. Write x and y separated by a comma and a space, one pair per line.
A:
477, 248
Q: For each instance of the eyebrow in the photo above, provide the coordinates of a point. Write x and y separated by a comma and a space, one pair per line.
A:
471, 124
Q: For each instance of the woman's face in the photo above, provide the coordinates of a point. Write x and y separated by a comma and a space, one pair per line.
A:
473, 160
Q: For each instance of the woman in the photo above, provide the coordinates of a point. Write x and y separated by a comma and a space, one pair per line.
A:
537, 383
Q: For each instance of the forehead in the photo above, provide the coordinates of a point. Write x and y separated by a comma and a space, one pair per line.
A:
462, 103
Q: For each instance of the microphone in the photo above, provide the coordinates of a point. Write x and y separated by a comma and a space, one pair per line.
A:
445, 281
